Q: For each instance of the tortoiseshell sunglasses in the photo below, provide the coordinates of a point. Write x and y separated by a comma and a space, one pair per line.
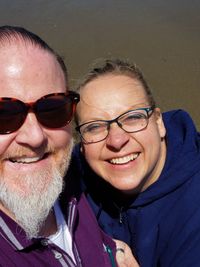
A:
52, 111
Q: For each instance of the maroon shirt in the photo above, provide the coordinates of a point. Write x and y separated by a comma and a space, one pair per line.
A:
88, 240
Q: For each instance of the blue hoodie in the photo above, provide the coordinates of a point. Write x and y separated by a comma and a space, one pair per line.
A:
161, 224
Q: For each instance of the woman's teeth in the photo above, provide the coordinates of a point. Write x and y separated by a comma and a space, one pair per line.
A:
125, 159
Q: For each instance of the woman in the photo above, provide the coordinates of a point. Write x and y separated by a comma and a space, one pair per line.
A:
138, 169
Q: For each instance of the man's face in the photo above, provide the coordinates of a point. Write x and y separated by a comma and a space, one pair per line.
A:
128, 161
33, 157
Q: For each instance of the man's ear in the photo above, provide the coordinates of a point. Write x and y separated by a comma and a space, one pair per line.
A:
160, 122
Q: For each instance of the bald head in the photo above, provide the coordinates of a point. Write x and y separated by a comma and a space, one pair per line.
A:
12, 35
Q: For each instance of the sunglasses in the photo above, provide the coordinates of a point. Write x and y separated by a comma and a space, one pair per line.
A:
52, 111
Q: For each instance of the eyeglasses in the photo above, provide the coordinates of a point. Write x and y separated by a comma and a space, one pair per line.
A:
52, 111
131, 121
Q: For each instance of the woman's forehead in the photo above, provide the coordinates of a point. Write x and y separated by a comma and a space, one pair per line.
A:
108, 97
109, 90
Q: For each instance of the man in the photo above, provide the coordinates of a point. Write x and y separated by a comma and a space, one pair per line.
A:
140, 168
37, 227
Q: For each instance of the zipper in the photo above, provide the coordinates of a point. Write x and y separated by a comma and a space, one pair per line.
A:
111, 256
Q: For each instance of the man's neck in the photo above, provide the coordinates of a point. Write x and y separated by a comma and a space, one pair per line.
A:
50, 226
7, 212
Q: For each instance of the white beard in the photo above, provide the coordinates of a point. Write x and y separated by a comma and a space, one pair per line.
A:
31, 211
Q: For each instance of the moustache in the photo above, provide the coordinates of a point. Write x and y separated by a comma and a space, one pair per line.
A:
19, 152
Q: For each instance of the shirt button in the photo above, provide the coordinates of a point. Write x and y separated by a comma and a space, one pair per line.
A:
44, 242
58, 255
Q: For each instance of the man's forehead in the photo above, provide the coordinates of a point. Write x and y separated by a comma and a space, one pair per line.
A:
16, 57
28, 72
22, 47
26, 53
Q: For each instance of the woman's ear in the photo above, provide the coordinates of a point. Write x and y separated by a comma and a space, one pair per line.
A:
82, 148
160, 122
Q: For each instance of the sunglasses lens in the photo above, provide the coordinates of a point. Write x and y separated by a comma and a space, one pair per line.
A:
12, 115
52, 111
55, 111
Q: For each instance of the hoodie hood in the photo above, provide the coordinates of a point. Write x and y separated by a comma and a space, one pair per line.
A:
182, 162
183, 156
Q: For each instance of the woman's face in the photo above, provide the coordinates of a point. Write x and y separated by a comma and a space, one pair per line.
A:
130, 162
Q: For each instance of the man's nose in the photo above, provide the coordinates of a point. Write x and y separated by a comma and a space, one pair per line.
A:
31, 132
117, 137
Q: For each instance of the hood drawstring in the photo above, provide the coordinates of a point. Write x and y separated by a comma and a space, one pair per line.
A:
121, 218
120, 210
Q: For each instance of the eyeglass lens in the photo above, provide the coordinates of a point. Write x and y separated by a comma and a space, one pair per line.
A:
131, 121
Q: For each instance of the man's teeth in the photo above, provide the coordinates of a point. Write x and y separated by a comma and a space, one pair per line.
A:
125, 159
25, 160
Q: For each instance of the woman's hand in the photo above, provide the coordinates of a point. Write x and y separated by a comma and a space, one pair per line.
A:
124, 255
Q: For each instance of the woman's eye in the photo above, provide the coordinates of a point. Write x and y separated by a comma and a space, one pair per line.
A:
135, 116
93, 128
